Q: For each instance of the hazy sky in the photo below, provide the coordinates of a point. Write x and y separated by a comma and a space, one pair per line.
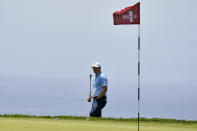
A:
47, 47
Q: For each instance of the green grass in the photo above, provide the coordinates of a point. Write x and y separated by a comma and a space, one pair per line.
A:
69, 123
160, 120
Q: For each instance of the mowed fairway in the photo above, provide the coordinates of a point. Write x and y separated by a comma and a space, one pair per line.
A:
41, 124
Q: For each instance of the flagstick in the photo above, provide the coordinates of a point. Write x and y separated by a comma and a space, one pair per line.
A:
139, 77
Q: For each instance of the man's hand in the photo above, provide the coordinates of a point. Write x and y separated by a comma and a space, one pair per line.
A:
89, 99
98, 97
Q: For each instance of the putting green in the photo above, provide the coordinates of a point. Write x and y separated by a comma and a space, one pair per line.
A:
38, 124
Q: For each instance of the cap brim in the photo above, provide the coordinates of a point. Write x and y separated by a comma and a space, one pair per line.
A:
95, 66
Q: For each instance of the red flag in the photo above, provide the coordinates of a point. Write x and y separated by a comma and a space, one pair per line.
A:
128, 15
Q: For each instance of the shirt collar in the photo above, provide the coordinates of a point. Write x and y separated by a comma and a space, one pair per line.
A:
99, 74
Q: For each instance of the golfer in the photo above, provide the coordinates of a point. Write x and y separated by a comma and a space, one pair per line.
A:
99, 91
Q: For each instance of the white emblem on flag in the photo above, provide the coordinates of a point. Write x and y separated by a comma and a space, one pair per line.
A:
131, 16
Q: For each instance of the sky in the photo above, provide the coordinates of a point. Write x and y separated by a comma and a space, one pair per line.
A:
48, 46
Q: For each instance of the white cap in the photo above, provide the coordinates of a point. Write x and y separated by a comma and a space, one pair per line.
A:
96, 64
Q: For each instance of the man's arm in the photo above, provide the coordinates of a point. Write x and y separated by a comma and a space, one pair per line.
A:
104, 90
90, 97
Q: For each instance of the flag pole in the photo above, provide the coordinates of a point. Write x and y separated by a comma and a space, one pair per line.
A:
138, 77
131, 15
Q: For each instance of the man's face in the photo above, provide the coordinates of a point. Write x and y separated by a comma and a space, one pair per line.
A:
96, 69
